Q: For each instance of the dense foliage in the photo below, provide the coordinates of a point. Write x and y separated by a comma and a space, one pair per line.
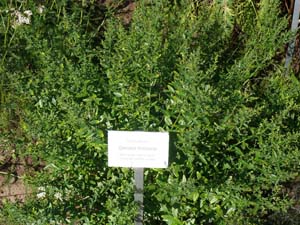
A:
210, 73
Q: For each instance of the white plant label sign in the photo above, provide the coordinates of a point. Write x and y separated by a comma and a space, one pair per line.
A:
138, 149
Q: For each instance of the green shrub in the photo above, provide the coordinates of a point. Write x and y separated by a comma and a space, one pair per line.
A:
206, 72
234, 150
66, 103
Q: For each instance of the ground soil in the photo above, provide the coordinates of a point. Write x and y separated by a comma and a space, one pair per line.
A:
12, 172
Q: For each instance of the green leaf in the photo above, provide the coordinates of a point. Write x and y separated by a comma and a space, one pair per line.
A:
203, 159
195, 196
171, 220
168, 121
118, 94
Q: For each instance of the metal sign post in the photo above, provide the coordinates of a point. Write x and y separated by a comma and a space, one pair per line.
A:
295, 22
138, 150
138, 194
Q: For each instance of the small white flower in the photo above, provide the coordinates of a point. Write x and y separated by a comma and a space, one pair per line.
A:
28, 13
58, 196
42, 189
21, 18
41, 195
40, 9
41, 192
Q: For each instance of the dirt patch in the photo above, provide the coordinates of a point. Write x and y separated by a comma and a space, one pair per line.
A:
12, 190
12, 171
292, 215
12, 186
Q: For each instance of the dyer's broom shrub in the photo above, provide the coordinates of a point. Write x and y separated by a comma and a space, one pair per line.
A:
65, 115
227, 105
206, 72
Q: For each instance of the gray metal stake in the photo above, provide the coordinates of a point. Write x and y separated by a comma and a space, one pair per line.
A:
138, 194
295, 21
